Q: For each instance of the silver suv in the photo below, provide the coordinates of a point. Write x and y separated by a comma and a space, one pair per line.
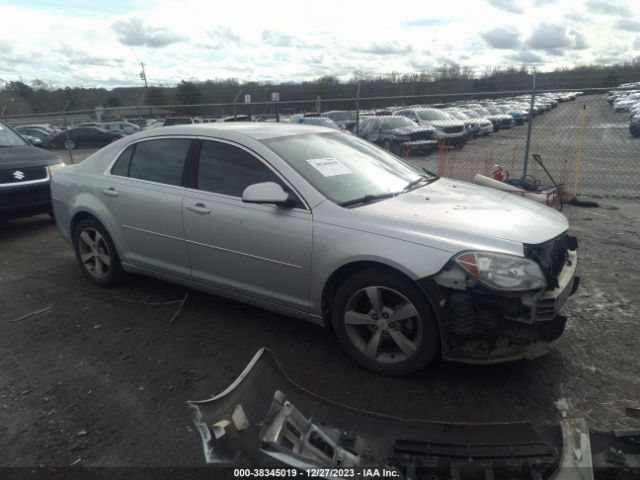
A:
450, 130
321, 225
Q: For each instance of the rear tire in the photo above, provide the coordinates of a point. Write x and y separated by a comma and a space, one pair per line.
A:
96, 254
385, 323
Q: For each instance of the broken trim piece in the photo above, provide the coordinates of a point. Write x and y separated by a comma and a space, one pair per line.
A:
263, 419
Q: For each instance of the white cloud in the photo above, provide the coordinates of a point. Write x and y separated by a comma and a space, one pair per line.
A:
512, 6
504, 37
628, 24
281, 40
133, 32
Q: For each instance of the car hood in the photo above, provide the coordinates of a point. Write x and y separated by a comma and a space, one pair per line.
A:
446, 123
25, 156
479, 211
409, 130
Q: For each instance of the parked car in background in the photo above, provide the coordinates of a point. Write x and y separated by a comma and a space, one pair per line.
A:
623, 104
235, 118
448, 129
519, 117
35, 141
319, 121
125, 128
634, 125
485, 125
324, 226
471, 126
25, 174
45, 136
345, 119
84, 137
398, 134
169, 121
506, 121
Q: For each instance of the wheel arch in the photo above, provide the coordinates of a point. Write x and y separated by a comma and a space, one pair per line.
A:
83, 214
340, 274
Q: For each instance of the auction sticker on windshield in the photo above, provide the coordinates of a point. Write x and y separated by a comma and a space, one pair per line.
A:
329, 167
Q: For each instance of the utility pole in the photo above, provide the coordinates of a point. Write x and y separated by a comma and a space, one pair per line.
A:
4, 107
143, 76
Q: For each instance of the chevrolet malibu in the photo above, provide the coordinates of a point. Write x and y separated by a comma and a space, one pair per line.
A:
318, 224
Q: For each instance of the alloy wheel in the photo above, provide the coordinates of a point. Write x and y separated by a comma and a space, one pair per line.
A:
383, 324
94, 253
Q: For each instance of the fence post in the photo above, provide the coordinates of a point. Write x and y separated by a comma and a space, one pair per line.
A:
358, 109
530, 126
64, 124
583, 117
235, 100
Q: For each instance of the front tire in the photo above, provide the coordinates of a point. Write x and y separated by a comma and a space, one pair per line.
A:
96, 254
69, 144
385, 323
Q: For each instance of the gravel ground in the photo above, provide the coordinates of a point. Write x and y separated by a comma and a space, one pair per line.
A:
102, 378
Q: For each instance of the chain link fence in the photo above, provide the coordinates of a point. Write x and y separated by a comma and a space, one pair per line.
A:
584, 144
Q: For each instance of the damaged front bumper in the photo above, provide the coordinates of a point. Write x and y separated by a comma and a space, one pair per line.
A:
501, 327
264, 420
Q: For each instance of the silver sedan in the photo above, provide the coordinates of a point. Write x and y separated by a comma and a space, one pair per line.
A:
320, 225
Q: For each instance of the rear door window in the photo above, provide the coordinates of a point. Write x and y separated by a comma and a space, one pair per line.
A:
162, 160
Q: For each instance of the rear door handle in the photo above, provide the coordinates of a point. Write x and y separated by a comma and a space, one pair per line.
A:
200, 208
112, 192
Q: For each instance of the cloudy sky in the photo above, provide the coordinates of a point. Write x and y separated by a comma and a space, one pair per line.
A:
100, 43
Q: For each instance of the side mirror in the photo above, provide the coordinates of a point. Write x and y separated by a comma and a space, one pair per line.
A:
267, 192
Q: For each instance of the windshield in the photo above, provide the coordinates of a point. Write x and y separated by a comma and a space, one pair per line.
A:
343, 167
10, 139
458, 114
342, 116
391, 123
430, 114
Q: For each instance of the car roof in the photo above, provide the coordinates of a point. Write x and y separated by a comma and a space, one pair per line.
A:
257, 130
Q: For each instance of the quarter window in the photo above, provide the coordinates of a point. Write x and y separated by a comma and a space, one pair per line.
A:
160, 160
121, 167
228, 170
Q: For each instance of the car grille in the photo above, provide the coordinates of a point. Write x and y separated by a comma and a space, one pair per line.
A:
507, 121
552, 256
424, 135
21, 175
545, 309
452, 129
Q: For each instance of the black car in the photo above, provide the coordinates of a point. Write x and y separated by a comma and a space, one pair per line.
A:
398, 134
25, 173
45, 136
634, 125
84, 137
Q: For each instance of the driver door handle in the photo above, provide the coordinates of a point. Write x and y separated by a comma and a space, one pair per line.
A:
112, 192
200, 208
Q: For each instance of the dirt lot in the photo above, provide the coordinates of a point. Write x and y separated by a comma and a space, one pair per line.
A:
102, 379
